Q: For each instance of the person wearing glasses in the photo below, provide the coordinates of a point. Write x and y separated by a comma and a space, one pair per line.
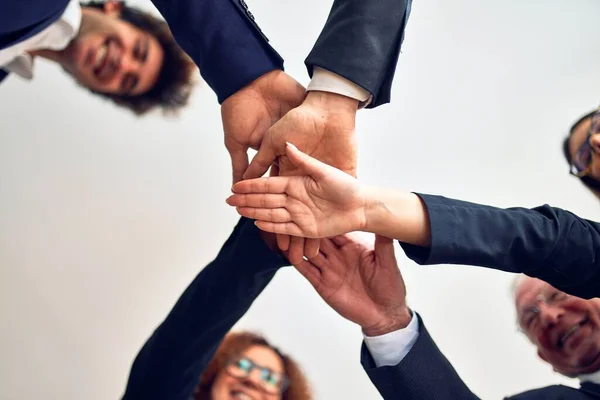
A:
190, 355
564, 329
582, 150
175, 362
246, 366
544, 242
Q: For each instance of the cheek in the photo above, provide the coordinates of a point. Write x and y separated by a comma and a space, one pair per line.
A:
221, 385
595, 172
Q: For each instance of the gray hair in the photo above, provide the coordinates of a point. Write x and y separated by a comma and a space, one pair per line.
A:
515, 283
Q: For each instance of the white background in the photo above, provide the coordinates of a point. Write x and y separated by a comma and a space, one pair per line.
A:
105, 218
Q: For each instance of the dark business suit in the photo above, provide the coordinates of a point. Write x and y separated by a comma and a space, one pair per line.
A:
360, 41
169, 365
545, 242
426, 374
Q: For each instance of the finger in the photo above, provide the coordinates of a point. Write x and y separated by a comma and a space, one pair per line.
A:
274, 168
296, 250
262, 160
310, 166
309, 271
328, 247
273, 185
277, 215
342, 240
384, 248
283, 242
320, 261
257, 200
286, 228
239, 163
311, 247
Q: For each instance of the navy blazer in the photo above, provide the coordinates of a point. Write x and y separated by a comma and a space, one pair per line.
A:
360, 41
544, 242
426, 374
170, 363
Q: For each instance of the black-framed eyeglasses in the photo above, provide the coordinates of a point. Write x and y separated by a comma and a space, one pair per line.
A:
270, 381
581, 164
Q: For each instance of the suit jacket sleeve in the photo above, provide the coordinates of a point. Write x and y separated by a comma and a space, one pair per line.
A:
544, 242
223, 39
171, 361
361, 42
423, 374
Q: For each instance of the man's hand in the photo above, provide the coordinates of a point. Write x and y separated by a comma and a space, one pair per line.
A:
362, 284
251, 111
322, 203
323, 126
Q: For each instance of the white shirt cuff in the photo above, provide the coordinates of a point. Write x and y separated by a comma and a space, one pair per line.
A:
391, 348
327, 81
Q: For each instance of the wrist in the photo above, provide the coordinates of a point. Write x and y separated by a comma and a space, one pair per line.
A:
331, 102
397, 215
377, 214
398, 321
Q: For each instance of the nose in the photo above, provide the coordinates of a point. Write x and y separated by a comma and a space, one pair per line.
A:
595, 142
549, 315
253, 380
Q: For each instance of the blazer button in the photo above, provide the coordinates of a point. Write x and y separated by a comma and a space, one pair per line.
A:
244, 5
250, 15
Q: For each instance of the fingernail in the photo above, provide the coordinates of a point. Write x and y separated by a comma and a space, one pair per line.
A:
291, 145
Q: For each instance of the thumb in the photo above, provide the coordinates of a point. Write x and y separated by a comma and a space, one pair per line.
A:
384, 248
239, 162
309, 165
261, 162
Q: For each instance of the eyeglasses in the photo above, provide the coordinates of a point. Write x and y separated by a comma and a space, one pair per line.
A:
529, 319
270, 381
581, 165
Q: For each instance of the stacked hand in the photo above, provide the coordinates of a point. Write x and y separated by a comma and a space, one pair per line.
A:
273, 110
323, 203
362, 284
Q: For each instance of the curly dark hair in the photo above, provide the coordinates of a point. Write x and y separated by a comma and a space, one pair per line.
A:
175, 79
236, 343
586, 180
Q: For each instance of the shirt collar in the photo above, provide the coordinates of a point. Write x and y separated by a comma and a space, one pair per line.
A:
57, 37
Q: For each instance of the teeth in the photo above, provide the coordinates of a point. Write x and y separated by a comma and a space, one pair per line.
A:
568, 333
100, 55
241, 396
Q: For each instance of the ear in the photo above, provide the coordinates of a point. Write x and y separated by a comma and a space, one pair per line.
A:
113, 8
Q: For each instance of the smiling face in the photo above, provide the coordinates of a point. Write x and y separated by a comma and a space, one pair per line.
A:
564, 328
229, 387
112, 56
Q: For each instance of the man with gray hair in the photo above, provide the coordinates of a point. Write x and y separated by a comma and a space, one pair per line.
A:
363, 284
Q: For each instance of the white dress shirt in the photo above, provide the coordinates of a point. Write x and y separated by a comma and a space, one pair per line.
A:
327, 81
391, 348
55, 37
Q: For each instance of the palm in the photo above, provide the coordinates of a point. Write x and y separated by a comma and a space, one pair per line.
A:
361, 284
327, 207
346, 292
